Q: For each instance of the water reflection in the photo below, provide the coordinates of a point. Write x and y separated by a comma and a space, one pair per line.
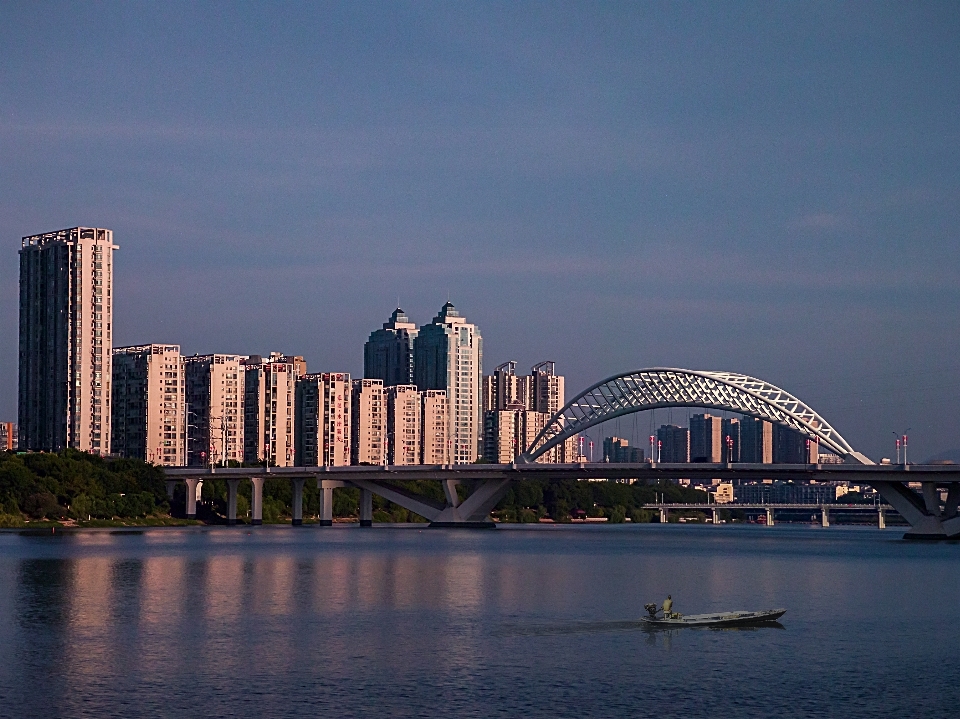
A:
447, 624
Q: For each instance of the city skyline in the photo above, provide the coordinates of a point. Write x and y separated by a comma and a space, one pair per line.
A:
768, 190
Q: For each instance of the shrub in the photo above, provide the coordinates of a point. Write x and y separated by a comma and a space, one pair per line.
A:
42, 505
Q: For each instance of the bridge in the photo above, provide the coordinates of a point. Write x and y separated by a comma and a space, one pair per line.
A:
770, 507
929, 515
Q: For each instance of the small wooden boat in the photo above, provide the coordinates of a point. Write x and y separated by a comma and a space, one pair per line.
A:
719, 619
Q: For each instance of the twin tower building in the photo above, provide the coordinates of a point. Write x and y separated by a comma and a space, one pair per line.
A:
423, 398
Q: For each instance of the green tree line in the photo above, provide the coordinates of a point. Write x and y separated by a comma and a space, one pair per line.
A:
81, 486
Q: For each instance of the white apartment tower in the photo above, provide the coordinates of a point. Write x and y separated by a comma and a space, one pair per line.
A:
404, 425
448, 355
214, 399
66, 318
268, 392
368, 413
323, 420
434, 441
148, 416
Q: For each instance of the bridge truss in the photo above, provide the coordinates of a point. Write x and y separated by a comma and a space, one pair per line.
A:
662, 387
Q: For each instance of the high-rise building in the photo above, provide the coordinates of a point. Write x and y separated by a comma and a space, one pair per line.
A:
404, 424
730, 437
756, 440
509, 432
501, 432
268, 410
705, 438
505, 387
546, 388
536, 398
388, 354
448, 355
323, 422
8, 436
368, 415
66, 319
214, 399
674, 443
434, 442
148, 418
791, 447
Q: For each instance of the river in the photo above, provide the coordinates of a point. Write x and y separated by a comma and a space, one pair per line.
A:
522, 621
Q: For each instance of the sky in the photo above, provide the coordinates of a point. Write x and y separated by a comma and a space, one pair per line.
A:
765, 188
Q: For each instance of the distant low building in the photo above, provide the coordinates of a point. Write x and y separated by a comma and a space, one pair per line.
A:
776, 492
723, 493
8, 436
619, 451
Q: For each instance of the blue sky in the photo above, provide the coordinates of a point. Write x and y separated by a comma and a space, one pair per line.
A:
770, 188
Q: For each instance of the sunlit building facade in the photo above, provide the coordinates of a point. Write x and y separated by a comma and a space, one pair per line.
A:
148, 415
66, 328
214, 395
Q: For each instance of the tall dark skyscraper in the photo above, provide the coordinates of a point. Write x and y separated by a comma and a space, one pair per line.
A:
388, 354
675, 443
756, 440
66, 318
791, 447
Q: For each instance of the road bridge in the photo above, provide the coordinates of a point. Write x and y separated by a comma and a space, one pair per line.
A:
930, 516
491, 481
770, 507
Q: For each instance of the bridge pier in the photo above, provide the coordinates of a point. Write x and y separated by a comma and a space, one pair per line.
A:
366, 508
664, 515
171, 485
256, 503
824, 516
326, 487
297, 485
881, 518
923, 512
193, 491
769, 516
232, 485
716, 517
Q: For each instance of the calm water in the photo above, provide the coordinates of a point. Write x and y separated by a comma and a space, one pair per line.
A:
439, 623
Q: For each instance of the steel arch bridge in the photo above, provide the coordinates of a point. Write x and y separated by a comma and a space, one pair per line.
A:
661, 387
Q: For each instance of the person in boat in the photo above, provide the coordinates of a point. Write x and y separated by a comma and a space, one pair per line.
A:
667, 607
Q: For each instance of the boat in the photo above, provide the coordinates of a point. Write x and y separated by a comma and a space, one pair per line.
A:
718, 619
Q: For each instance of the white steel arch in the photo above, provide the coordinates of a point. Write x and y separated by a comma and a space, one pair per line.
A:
658, 387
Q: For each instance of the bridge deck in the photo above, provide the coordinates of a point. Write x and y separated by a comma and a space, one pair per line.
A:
650, 471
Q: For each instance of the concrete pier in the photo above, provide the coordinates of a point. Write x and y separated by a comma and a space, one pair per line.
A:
825, 517
297, 484
769, 516
366, 508
256, 504
193, 491
326, 506
716, 517
232, 485
882, 518
171, 485
664, 515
